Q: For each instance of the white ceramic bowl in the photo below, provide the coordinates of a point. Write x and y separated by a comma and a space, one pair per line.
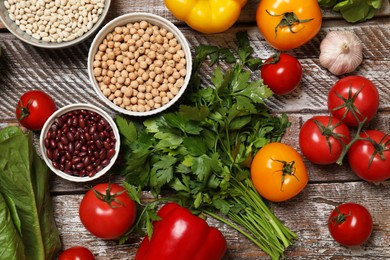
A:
22, 35
131, 18
63, 111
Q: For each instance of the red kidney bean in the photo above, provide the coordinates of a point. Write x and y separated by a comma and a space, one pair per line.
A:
102, 154
107, 145
87, 160
105, 162
111, 153
71, 147
80, 143
49, 154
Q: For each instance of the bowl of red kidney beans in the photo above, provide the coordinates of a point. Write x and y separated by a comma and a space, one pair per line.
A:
80, 142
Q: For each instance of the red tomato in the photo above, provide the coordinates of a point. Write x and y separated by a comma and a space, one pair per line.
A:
321, 139
76, 253
352, 99
369, 157
283, 76
350, 224
34, 108
107, 211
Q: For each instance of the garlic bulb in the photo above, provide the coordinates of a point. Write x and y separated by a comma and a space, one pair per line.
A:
341, 52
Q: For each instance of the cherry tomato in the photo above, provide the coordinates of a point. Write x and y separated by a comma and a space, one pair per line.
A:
278, 172
107, 211
369, 158
321, 139
350, 224
352, 99
34, 108
283, 76
287, 24
76, 253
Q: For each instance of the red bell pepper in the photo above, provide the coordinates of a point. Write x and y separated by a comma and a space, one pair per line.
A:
180, 235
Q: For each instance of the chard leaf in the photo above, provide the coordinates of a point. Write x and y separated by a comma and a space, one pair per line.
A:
24, 178
12, 247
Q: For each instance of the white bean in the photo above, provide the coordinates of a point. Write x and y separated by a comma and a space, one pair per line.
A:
42, 18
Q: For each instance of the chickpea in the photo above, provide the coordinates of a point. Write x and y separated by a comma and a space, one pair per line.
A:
134, 84
120, 80
164, 100
128, 92
126, 101
97, 72
157, 99
111, 97
107, 92
179, 83
134, 100
140, 66
117, 38
176, 75
142, 88
124, 47
148, 96
118, 101
150, 103
169, 95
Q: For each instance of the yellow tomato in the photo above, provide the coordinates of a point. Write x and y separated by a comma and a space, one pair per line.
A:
288, 24
278, 172
206, 16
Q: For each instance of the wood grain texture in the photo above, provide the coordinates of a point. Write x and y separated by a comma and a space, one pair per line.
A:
306, 215
63, 74
248, 12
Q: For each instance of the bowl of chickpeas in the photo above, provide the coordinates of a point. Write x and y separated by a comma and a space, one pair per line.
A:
139, 64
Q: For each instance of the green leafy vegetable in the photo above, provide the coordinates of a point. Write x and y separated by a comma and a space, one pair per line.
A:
24, 179
201, 150
10, 239
353, 10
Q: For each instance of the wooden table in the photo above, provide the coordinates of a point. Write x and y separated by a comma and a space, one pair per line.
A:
63, 74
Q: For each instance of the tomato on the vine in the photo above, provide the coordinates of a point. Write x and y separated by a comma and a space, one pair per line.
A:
350, 224
353, 99
107, 211
369, 157
283, 76
34, 108
278, 172
321, 139
288, 24
76, 253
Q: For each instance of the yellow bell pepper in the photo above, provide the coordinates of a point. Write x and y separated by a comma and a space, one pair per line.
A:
206, 16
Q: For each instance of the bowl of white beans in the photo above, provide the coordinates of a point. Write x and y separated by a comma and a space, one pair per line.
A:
139, 64
53, 23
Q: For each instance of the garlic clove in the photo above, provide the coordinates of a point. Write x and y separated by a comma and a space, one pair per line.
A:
341, 52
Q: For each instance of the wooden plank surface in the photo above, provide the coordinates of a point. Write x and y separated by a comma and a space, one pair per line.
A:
63, 74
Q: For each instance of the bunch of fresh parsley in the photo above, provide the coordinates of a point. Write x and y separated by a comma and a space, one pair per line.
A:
200, 150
